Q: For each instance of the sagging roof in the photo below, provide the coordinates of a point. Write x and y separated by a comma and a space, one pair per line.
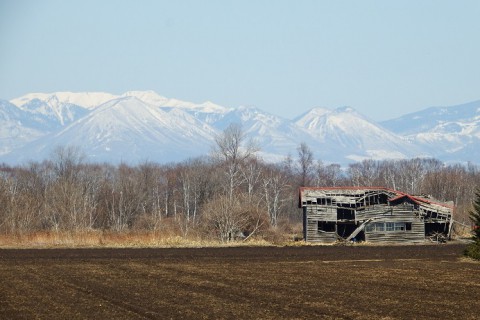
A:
393, 195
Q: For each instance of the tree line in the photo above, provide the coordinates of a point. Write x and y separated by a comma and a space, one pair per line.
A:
232, 193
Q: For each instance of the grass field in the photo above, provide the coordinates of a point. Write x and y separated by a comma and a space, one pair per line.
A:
317, 282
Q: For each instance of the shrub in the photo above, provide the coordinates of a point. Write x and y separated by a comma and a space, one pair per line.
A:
473, 250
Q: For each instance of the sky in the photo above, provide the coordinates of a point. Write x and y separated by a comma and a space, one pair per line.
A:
383, 58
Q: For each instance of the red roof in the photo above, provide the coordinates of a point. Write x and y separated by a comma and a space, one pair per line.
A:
399, 193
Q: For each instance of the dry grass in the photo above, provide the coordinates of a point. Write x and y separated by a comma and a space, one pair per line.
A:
106, 239
151, 239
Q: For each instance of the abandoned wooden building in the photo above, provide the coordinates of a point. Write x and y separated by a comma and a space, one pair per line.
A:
372, 214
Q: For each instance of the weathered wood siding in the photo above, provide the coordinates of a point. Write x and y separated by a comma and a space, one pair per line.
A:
416, 235
378, 213
314, 235
401, 213
318, 213
311, 218
330, 213
315, 213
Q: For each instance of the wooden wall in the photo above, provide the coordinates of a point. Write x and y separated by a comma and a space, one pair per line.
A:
378, 213
365, 205
416, 235
311, 218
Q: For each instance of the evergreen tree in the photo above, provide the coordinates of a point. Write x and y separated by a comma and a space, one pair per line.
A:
475, 216
473, 249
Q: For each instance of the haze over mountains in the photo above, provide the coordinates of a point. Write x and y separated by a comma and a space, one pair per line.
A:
144, 126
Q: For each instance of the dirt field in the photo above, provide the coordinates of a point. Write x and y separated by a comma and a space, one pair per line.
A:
422, 282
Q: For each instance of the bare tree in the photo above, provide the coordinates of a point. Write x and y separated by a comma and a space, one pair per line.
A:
66, 160
251, 171
232, 151
224, 217
305, 164
229, 219
365, 173
275, 185
192, 186
333, 174
65, 194
327, 175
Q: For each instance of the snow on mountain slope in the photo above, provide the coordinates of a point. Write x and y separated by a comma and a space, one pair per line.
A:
344, 132
155, 99
276, 137
445, 132
33, 118
309, 120
427, 119
207, 112
11, 113
127, 129
14, 128
142, 125
41, 103
91, 100
87, 100
450, 140
53, 114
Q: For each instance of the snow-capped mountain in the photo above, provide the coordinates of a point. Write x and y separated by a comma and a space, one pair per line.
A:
88, 100
155, 99
128, 130
52, 114
427, 119
448, 133
141, 125
17, 127
276, 137
346, 133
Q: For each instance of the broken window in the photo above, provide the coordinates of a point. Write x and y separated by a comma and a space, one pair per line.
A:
345, 214
326, 226
324, 201
388, 226
399, 226
370, 227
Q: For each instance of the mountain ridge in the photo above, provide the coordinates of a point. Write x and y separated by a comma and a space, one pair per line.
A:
139, 125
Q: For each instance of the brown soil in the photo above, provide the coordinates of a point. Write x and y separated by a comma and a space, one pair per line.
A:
398, 282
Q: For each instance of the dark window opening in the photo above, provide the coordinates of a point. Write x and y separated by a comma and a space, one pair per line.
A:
326, 226
433, 228
382, 199
344, 230
345, 214
324, 201
408, 226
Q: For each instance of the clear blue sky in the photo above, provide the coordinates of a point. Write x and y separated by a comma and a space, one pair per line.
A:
383, 58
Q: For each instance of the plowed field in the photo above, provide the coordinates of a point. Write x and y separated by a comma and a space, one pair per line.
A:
398, 282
